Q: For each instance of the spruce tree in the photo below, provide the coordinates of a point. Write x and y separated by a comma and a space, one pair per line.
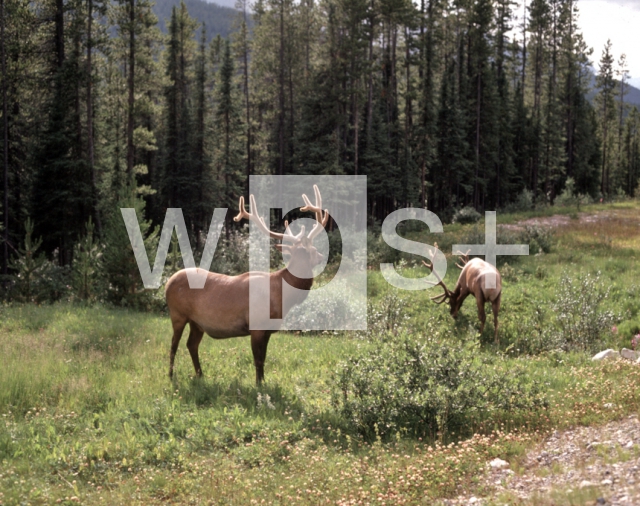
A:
228, 155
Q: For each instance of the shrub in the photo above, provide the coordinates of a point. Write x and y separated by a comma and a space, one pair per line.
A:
570, 196
379, 251
120, 269
580, 318
87, 255
425, 387
523, 202
232, 253
35, 278
466, 215
337, 306
539, 239
387, 316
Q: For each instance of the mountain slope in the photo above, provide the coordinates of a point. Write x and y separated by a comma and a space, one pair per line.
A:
217, 19
631, 94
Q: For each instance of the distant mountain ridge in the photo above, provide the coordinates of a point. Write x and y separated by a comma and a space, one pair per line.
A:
218, 19
631, 93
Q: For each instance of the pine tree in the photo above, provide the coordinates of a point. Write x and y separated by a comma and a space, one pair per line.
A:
118, 261
62, 187
228, 159
605, 99
180, 182
539, 22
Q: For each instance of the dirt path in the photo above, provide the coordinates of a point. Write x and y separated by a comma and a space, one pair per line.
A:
585, 466
560, 220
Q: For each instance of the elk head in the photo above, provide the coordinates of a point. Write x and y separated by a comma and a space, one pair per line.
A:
450, 297
303, 254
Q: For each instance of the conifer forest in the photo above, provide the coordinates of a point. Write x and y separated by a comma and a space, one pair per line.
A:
442, 104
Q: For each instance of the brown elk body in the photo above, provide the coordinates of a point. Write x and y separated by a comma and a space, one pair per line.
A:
472, 282
221, 308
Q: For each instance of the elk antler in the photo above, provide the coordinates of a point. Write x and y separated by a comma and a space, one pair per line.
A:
256, 218
438, 299
289, 235
321, 217
464, 258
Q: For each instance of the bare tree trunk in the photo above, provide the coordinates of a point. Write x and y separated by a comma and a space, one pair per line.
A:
281, 93
90, 146
356, 128
524, 44
131, 84
476, 199
245, 57
570, 96
5, 145
370, 83
59, 21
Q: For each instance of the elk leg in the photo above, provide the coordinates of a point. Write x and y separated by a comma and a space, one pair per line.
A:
259, 342
481, 314
178, 327
195, 337
495, 305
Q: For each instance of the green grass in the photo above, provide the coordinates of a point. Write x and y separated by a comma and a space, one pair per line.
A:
88, 413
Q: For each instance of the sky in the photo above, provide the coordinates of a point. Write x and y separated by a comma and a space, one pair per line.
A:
618, 20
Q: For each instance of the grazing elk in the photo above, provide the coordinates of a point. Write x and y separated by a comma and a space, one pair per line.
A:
471, 282
221, 308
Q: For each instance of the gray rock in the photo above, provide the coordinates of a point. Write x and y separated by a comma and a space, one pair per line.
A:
629, 354
606, 354
498, 464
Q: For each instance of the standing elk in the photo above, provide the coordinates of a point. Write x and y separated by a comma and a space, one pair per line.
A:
471, 282
221, 308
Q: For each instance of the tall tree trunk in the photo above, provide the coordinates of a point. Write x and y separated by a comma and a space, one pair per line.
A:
524, 44
281, 98
59, 38
5, 144
570, 102
131, 84
245, 58
90, 143
370, 71
476, 196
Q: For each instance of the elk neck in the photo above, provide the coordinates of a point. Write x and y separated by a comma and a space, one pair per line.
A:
295, 281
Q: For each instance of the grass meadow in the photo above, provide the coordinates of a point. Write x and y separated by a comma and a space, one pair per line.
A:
89, 415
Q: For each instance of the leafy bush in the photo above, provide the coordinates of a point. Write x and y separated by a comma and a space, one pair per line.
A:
35, 278
119, 266
425, 387
529, 332
87, 255
337, 306
379, 251
466, 215
387, 316
524, 202
539, 239
232, 253
570, 196
580, 319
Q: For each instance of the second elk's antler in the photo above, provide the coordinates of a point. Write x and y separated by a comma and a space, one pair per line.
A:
446, 294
